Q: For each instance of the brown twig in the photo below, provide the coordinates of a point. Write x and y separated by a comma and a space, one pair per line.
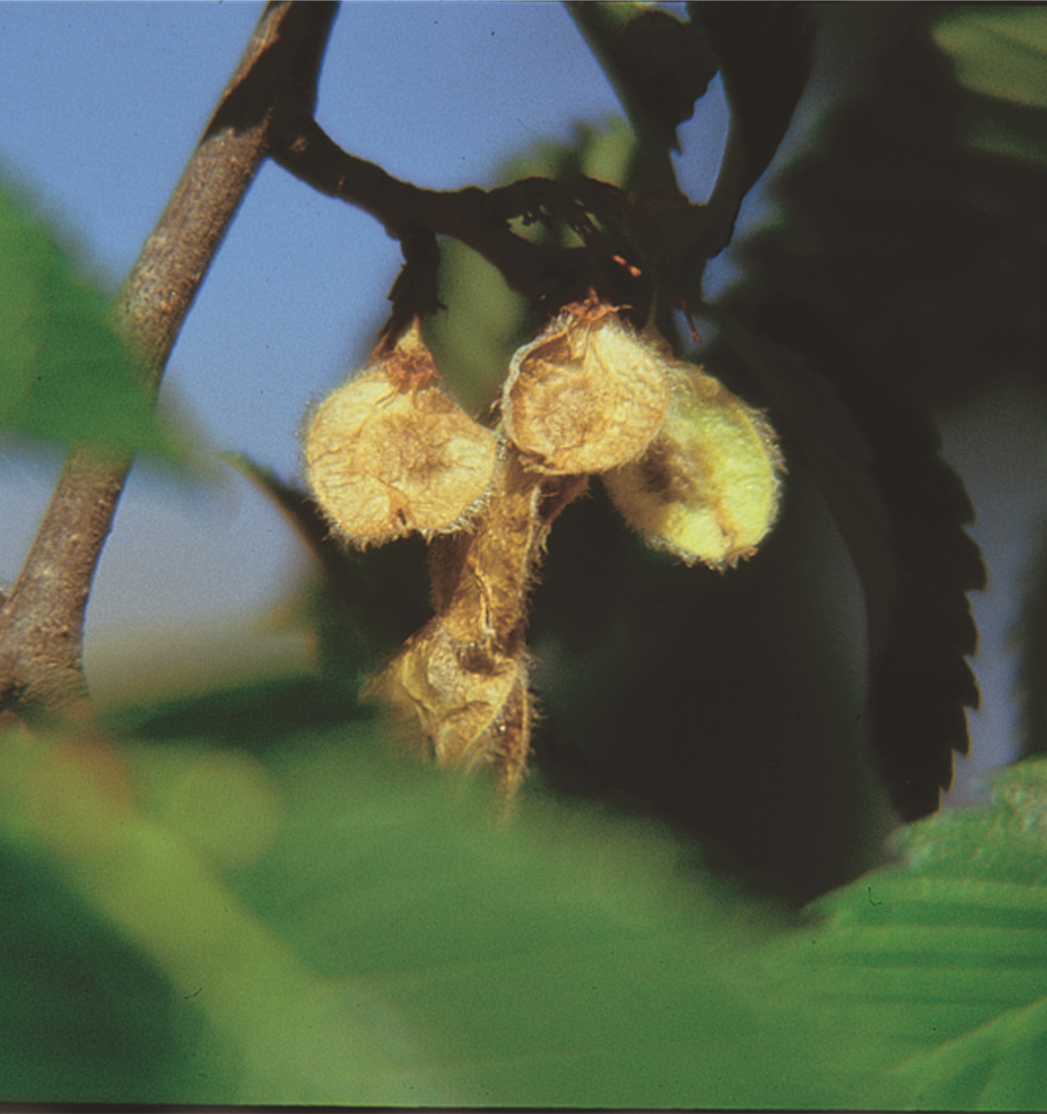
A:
41, 620
548, 276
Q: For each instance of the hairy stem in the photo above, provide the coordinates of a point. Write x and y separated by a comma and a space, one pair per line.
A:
463, 676
41, 620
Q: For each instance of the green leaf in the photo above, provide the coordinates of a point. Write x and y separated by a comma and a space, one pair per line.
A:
320, 920
483, 322
569, 957
334, 923
80, 1010
1001, 53
939, 963
64, 373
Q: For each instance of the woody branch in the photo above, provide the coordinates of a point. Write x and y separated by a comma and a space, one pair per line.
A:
41, 620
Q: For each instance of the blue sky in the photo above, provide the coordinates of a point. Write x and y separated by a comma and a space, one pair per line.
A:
100, 106
102, 103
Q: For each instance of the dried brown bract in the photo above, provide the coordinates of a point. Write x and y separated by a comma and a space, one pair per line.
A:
462, 679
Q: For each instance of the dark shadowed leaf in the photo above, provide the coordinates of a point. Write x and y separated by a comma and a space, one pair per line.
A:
1000, 54
927, 253
658, 64
1032, 636
862, 278
763, 51
901, 511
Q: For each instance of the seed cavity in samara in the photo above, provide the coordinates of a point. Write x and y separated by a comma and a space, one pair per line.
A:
586, 395
390, 453
707, 488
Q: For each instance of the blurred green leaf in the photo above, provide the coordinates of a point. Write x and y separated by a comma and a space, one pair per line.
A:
570, 956
64, 373
939, 963
1001, 53
370, 933
482, 324
80, 1012
321, 920
999, 50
